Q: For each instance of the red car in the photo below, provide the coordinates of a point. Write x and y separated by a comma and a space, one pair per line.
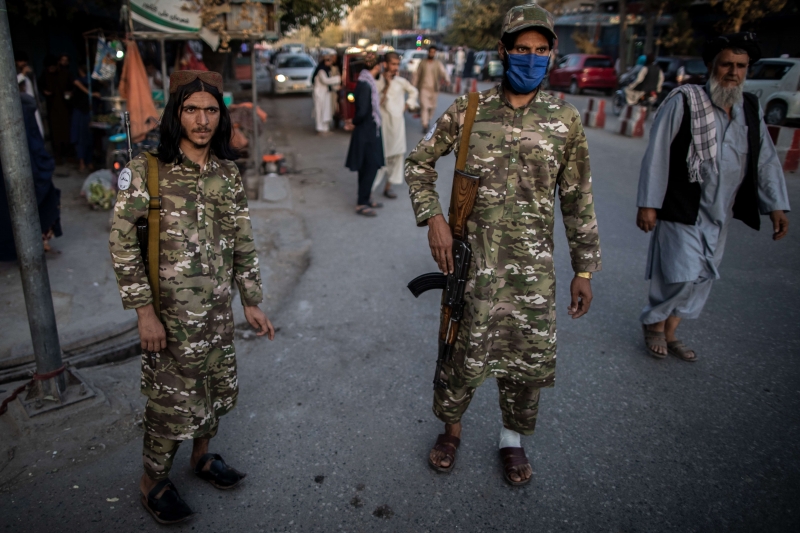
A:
584, 71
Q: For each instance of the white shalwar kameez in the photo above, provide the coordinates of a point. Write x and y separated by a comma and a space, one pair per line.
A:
323, 106
683, 260
393, 127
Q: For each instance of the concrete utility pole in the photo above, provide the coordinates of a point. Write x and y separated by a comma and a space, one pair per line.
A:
25, 217
623, 36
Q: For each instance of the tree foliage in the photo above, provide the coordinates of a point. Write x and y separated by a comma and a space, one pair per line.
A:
679, 38
315, 14
741, 12
376, 16
477, 23
33, 11
584, 42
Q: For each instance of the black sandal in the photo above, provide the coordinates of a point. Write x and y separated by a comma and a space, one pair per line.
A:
219, 473
170, 507
365, 211
389, 193
375, 205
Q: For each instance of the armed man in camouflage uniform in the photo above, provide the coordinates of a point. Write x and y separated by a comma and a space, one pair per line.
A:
206, 242
524, 145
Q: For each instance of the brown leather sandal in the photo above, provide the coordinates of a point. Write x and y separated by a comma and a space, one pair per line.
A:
679, 350
654, 338
512, 459
448, 445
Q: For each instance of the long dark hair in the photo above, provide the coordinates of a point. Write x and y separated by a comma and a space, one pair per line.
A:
172, 131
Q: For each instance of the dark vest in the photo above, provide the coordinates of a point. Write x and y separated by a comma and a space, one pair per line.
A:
650, 82
682, 201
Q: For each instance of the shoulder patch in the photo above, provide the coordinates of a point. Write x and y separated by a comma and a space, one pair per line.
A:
124, 180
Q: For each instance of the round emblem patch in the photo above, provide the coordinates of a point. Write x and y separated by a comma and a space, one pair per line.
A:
124, 180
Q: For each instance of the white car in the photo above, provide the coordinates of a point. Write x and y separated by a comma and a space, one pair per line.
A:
776, 83
291, 73
411, 59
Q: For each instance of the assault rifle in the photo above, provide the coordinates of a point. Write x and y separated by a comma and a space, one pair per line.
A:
462, 200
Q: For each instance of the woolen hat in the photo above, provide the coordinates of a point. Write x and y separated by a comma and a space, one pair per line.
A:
745, 40
529, 17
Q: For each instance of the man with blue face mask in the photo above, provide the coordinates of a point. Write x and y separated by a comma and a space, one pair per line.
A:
524, 146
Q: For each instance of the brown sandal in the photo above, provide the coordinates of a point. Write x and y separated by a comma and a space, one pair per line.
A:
679, 350
512, 459
654, 338
448, 445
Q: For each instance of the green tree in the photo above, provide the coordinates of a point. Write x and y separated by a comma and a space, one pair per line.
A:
372, 17
477, 23
679, 38
743, 11
315, 14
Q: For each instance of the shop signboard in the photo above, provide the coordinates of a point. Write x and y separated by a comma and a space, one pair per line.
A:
173, 16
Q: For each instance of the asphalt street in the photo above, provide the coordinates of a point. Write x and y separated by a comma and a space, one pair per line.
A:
334, 419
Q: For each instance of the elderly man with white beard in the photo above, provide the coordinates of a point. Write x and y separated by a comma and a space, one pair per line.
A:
709, 159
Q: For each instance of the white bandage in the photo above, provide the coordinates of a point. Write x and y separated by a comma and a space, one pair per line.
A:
509, 439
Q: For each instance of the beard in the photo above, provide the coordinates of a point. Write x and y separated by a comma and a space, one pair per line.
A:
725, 97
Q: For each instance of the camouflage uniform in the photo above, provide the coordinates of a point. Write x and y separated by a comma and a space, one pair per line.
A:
521, 155
206, 243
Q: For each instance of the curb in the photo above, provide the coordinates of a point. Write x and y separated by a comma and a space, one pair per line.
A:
284, 254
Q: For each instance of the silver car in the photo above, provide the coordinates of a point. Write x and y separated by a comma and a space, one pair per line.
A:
291, 73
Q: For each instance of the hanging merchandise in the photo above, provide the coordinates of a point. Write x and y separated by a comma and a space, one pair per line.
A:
105, 67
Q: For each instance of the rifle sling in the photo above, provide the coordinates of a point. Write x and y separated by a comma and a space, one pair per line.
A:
153, 230
466, 131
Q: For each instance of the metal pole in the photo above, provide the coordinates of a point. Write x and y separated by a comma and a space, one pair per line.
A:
256, 152
164, 80
25, 213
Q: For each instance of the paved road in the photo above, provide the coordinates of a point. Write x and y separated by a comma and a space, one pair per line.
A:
334, 422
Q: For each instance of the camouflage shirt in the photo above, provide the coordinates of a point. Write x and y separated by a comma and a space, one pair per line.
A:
206, 243
522, 156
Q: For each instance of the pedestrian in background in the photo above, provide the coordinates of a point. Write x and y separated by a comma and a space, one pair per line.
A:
397, 97
469, 68
80, 132
48, 197
429, 74
647, 84
323, 83
29, 85
57, 88
365, 154
709, 159
508, 329
460, 59
206, 240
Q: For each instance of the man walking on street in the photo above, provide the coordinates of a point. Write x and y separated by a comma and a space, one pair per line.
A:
710, 158
397, 96
525, 145
429, 74
206, 243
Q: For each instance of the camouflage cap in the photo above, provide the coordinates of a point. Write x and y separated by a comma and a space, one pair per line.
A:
528, 16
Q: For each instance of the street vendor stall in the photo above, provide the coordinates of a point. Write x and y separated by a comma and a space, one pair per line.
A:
217, 24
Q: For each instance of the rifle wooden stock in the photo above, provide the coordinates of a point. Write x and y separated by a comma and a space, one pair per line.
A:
465, 189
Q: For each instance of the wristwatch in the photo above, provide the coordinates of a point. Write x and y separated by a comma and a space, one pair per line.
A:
587, 275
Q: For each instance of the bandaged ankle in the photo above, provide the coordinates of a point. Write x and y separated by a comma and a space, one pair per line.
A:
509, 438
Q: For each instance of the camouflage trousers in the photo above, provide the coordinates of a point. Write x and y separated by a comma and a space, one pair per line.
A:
158, 453
519, 403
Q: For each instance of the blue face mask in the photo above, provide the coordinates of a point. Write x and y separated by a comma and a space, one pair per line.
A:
526, 71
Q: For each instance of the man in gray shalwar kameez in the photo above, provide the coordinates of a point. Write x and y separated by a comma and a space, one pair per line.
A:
696, 175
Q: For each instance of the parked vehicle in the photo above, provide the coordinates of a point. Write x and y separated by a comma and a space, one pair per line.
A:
291, 73
583, 71
411, 60
487, 65
681, 70
776, 83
